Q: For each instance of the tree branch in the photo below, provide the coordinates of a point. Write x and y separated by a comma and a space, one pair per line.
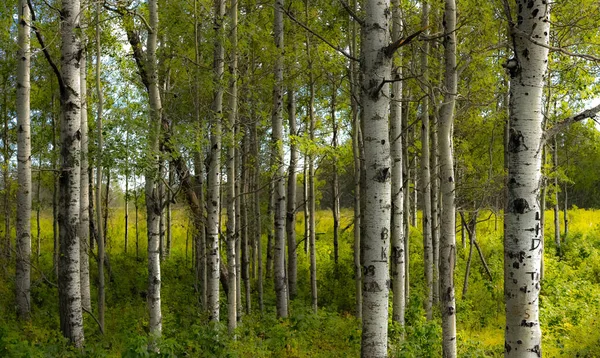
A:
40, 39
562, 125
351, 12
557, 49
95, 319
338, 49
391, 48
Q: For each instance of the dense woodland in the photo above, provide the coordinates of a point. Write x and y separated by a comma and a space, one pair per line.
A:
299, 178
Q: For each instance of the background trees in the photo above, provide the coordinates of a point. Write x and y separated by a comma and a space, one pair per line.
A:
211, 147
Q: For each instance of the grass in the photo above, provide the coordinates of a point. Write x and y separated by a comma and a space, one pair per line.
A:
570, 300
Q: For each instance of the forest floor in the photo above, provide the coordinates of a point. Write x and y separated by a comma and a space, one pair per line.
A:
570, 300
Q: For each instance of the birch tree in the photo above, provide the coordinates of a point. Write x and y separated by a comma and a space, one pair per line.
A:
279, 177
447, 255
291, 198
84, 211
231, 175
153, 204
69, 289
375, 68
214, 170
397, 229
425, 173
23, 245
522, 244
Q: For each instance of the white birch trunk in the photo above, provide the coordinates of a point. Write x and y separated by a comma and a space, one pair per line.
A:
311, 184
447, 254
425, 173
71, 319
153, 204
291, 199
375, 68
335, 185
523, 244
398, 275
214, 170
279, 177
84, 211
231, 179
23, 245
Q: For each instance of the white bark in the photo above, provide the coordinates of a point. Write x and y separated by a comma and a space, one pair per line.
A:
311, 179
291, 199
375, 68
279, 176
522, 244
398, 275
71, 319
231, 178
425, 173
153, 204
447, 254
214, 170
84, 211
23, 245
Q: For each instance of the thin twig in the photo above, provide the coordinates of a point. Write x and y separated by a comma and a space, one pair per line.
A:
95, 319
338, 49
556, 49
40, 39
351, 12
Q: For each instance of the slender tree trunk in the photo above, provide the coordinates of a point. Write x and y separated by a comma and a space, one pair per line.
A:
170, 211
106, 203
406, 201
354, 89
522, 245
311, 175
7, 187
447, 253
245, 188
23, 244
231, 176
270, 225
126, 235
291, 198
281, 291
55, 235
556, 203
472, 236
397, 228
69, 289
199, 172
305, 206
214, 171
153, 204
375, 67
101, 228
84, 225
335, 185
565, 216
435, 207
257, 215
38, 210
425, 170
161, 200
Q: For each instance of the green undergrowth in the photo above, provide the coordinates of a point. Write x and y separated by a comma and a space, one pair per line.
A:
570, 301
